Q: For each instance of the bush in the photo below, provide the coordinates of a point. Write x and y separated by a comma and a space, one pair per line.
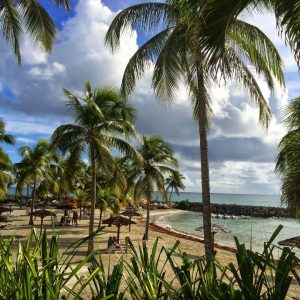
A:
158, 273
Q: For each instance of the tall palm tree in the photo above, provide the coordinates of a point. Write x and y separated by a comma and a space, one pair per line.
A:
158, 161
23, 17
173, 183
100, 117
5, 162
288, 159
34, 167
178, 57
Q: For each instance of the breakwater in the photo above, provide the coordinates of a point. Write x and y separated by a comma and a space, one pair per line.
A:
239, 210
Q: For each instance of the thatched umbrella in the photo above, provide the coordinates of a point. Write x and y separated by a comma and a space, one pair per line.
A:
130, 212
118, 221
42, 213
292, 242
4, 209
214, 229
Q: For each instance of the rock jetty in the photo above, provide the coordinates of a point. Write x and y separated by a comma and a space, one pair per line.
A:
239, 210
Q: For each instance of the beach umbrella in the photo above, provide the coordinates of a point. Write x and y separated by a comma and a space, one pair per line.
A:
214, 229
292, 242
130, 212
4, 209
42, 213
118, 221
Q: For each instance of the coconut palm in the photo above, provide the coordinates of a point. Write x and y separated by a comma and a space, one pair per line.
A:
34, 167
158, 161
288, 159
100, 117
177, 55
21, 18
173, 183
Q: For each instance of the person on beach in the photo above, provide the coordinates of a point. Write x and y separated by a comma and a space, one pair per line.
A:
75, 218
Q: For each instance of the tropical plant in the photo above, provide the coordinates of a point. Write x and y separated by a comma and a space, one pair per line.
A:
100, 117
158, 160
174, 182
288, 159
37, 271
178, 56
28, 18
34, 168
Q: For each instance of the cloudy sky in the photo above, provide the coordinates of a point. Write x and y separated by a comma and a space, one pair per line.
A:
241, 153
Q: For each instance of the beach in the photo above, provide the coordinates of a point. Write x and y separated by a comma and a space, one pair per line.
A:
69, 234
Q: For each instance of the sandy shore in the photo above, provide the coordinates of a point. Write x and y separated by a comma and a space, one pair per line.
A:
69, 234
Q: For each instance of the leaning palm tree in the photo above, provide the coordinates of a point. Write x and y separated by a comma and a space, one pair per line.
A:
100, 117
34, 167
21, 18
177, 55
288, 159
173, 184
158, 161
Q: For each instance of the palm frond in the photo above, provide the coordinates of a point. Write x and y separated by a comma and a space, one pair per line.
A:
144, 17
38, 23
242, 75
142, 60
250, 42
11, 26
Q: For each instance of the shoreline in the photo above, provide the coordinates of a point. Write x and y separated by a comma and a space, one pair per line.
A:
154, 226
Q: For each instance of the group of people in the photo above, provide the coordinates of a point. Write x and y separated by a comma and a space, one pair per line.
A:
66, 220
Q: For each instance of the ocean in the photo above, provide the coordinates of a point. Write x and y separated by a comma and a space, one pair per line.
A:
252, 232
241, 199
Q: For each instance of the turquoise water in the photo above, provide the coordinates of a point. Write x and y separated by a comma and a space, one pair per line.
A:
252, 232
263, 200
260, 230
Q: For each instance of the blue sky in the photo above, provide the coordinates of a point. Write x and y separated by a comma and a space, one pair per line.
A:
242, 154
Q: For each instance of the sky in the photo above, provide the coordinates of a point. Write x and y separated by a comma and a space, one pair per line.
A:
242, 154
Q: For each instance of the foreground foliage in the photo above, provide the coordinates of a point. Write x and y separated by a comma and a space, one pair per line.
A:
37, 272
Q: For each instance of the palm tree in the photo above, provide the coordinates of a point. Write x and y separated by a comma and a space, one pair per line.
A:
34, 167
178, 57
5, 162
99, 118
158, 160
288, 159
174, 182
20, 18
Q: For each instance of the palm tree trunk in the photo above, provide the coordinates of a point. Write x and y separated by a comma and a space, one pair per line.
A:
32, 203
93, 201
100, 218
146, 236
204, 157
170, 196
80, 212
